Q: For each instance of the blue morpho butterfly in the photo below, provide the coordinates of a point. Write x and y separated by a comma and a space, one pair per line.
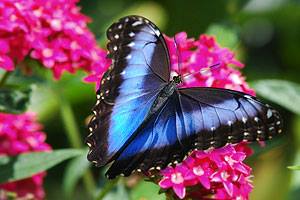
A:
143, 121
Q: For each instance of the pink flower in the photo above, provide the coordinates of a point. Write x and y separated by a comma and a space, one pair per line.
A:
98, 68
177, 178
218, 173
19, 134
53, 32
201, 170
196, 55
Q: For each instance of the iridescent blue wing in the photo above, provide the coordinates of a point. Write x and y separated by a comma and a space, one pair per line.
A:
139, 71
196, 118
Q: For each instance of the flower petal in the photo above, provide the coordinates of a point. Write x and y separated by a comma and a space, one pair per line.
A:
179, 190
165, 183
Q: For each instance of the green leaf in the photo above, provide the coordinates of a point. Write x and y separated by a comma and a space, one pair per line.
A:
146, 191
28, 164
119, 192
14, 100
225, 36
294, 167
74, 171
284, 93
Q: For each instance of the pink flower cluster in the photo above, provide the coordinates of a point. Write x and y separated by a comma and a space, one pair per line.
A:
19, 134
217, 174
54, 32
196, 55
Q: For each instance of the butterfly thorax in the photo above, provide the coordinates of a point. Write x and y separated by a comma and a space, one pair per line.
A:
164, 95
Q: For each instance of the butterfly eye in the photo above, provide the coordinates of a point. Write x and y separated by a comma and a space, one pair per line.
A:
177, 79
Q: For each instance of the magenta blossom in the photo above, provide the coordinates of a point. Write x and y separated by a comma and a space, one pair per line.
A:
177, 178
19, 134
53, 32
196, 55
220, 173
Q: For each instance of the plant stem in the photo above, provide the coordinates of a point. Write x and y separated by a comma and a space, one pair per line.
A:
74, 137
70, 123
4, 78
107, 187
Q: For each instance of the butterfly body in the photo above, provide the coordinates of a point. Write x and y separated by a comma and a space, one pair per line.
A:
142, 120
163, 96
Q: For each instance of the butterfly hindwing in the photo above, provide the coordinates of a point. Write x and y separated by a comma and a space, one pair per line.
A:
196, 118
244, 116
140, 69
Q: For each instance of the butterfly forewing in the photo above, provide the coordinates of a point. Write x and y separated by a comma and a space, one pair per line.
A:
129, 88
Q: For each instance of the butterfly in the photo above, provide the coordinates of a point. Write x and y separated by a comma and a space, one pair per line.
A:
143, 121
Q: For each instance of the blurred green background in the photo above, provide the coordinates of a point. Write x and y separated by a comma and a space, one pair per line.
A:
266, 37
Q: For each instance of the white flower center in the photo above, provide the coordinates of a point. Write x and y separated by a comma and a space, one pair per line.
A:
229, 160
198, 171
177, 178
47, 53
56, 24
224, 175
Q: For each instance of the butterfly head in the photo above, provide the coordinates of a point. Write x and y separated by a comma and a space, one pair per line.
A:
177, 79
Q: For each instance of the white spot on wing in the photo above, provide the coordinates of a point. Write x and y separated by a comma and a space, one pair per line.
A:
269, 113
131, 44
157, 32
136, 23
131, 34
129, 56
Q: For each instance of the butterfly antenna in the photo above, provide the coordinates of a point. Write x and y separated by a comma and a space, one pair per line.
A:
203, 70
178, 55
